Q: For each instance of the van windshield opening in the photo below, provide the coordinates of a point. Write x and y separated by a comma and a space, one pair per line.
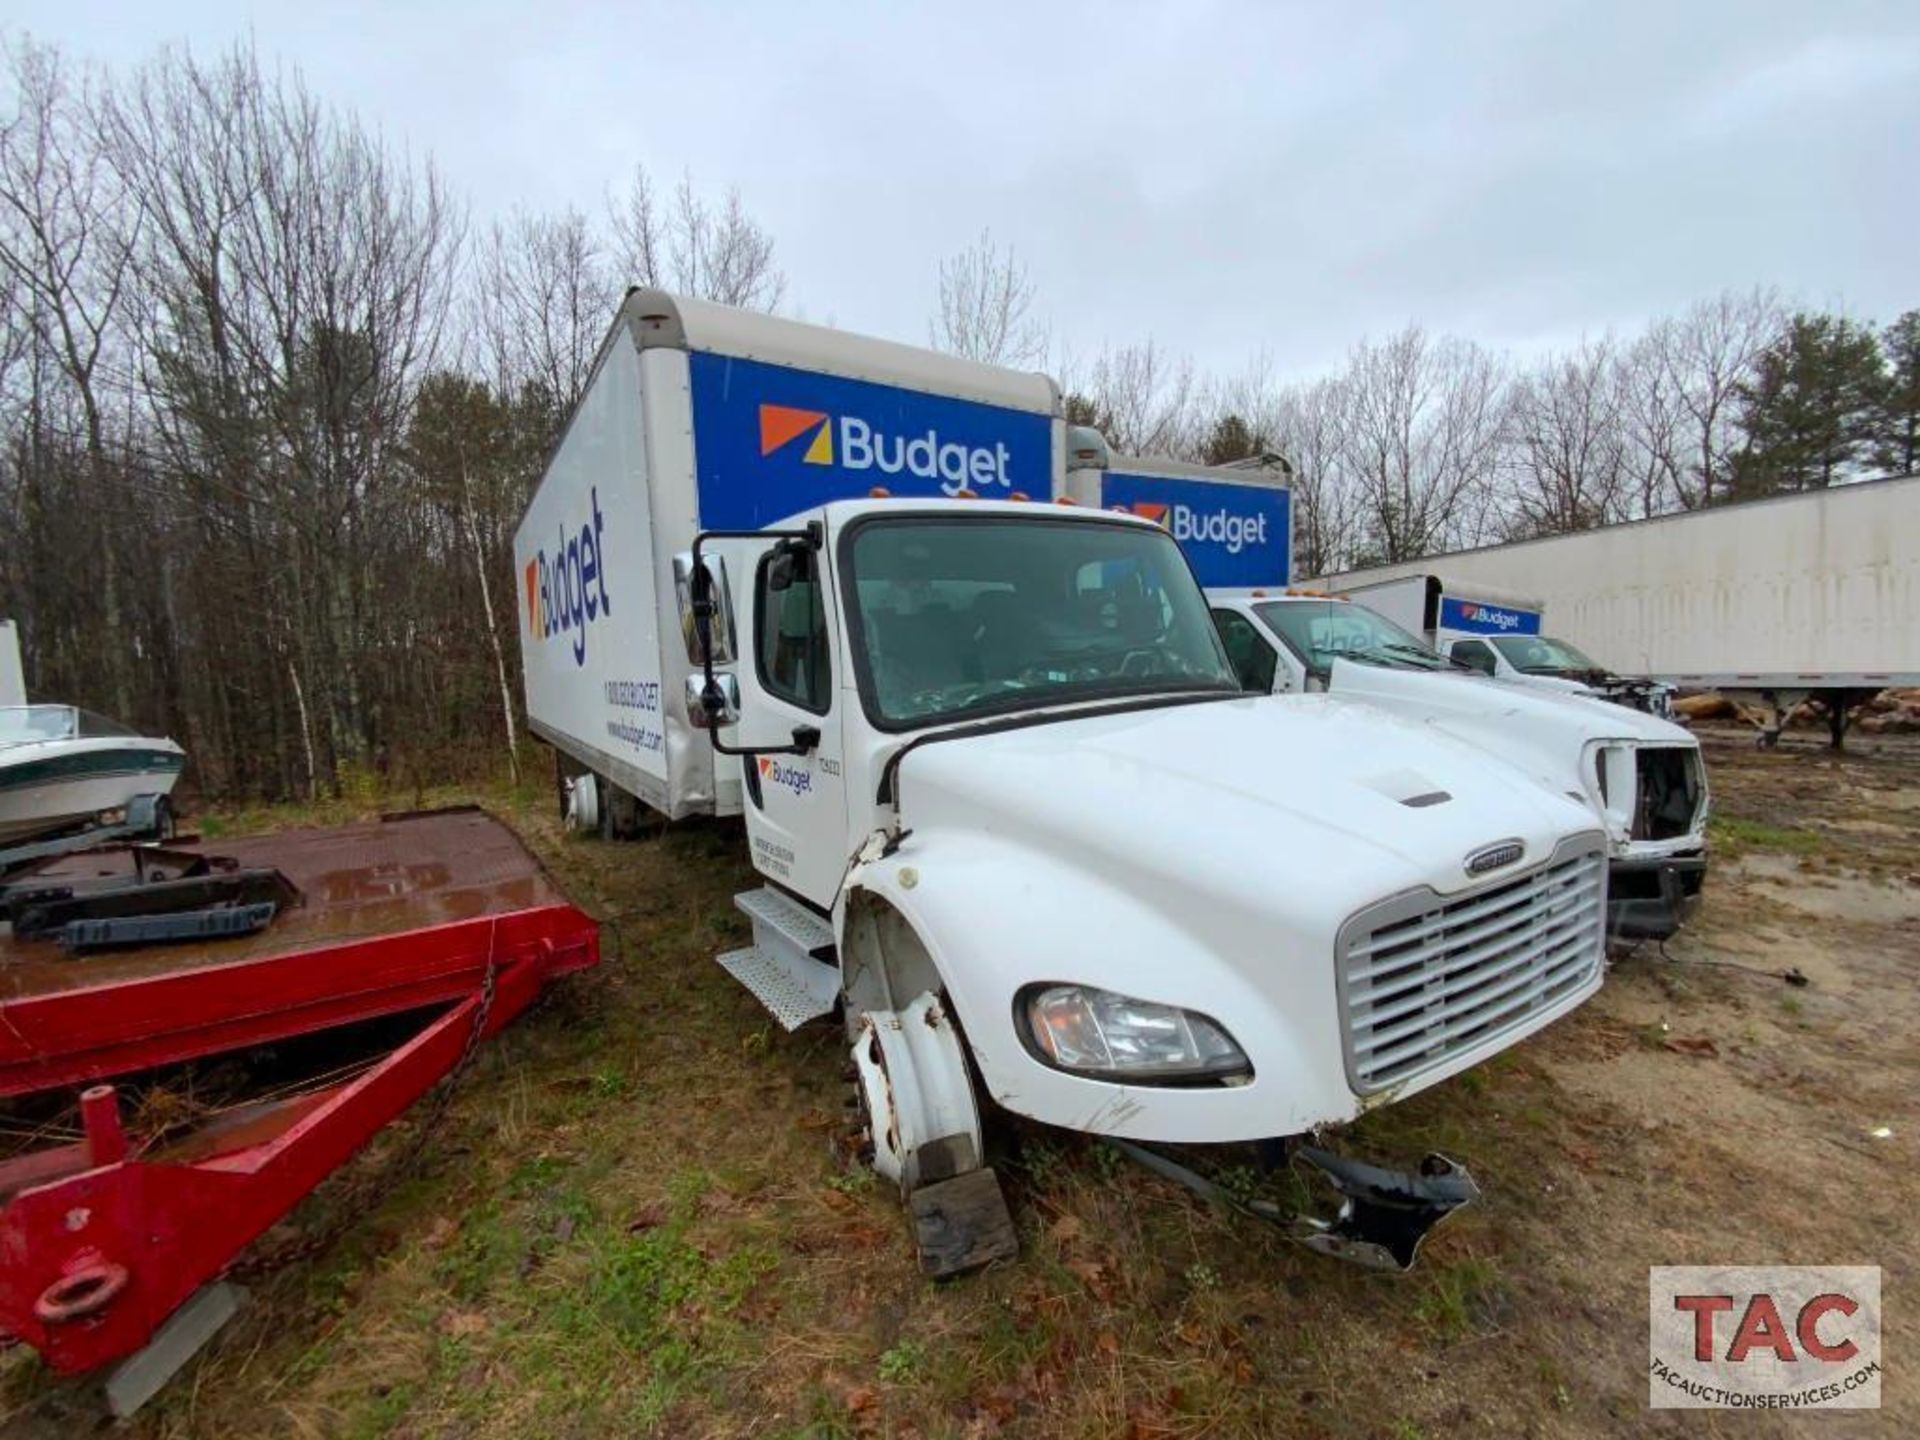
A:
1320, 633
956, 618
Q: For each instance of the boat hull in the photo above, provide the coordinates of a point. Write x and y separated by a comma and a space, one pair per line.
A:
67, 784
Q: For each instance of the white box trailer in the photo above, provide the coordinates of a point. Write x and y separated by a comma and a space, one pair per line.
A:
1809, 594
1234, 521
1015, 817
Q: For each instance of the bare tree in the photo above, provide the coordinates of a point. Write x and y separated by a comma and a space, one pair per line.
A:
65, 233
711, 253
986, 307
1424, 422
547, 292
1708, 353
1657, 425
1143, 399
1571, 462
1308, 425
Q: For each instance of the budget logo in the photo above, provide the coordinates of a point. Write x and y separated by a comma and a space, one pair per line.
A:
781, 425
1221, 527
567, 591
787, 777
1489, 615
1763, 1337
861, 445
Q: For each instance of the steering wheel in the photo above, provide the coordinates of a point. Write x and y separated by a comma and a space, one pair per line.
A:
1147, 660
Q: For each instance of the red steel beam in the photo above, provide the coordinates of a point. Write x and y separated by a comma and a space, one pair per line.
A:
92, 1262
71, 1037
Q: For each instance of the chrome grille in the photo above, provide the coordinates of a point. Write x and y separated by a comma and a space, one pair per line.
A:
1423, 978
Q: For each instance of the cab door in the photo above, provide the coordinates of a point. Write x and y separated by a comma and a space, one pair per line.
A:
795, 804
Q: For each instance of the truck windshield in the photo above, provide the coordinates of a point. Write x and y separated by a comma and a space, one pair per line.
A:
1322, 632
962, 617
1541, 654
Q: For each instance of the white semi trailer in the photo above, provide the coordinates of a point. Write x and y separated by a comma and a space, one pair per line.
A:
1014, 817
1816, 594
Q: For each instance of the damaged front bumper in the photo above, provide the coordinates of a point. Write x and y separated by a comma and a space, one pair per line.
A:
1649, 899
1383, 1215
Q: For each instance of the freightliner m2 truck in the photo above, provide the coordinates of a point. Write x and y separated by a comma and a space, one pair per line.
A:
1015, 819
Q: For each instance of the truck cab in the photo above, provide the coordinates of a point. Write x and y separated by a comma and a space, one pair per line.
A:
1642, 777
1001, 777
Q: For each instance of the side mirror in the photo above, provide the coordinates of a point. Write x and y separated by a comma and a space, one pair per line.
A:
704, 585
708, 709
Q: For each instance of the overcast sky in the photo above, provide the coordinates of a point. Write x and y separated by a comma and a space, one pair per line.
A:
1224, 178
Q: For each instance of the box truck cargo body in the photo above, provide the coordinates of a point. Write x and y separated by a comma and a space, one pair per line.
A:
1016, 820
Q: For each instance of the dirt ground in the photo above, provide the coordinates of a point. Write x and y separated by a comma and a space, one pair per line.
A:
631, 1223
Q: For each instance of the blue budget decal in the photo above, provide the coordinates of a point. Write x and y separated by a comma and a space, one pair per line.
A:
1478, 617
1235, 535
771, 440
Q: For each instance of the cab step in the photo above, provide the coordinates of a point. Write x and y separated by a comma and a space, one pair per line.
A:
788, 966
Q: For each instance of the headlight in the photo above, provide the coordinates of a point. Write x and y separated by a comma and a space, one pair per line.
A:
1096, 1032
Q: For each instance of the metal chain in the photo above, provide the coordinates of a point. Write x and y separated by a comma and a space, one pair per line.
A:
370, 1189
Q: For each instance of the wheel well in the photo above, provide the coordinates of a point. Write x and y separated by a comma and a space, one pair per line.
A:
883, 961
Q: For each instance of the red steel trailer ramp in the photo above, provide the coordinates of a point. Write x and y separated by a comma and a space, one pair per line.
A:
441, 918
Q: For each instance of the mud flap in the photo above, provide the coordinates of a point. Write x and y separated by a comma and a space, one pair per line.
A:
1384, 1214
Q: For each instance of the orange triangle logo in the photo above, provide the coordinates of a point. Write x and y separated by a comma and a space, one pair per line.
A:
1147, 510
781, 423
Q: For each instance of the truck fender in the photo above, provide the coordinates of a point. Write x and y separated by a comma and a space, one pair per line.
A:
916, 919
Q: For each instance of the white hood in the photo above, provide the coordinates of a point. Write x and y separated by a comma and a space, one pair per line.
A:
1229, 795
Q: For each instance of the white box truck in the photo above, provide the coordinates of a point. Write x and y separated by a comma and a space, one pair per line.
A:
1815, 594
1503, 635
1015, 818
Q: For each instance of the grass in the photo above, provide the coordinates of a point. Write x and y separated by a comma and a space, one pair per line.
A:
632, 1223
1731, 835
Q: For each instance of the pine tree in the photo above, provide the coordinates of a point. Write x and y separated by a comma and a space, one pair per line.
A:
1900, 400
1812, 408
1231, 439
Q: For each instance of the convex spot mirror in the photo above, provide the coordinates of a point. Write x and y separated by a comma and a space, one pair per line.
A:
702, 714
